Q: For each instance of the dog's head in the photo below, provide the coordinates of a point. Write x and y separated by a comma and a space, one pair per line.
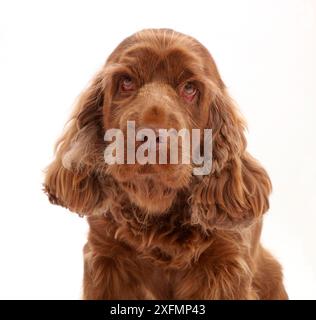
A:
158, 79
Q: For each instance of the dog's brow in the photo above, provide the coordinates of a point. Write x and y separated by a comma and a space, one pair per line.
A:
116, 68
180, 75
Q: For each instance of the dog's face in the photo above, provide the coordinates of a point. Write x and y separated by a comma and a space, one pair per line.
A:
160, 79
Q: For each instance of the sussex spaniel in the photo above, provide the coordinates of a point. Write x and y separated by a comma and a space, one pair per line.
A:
158, 231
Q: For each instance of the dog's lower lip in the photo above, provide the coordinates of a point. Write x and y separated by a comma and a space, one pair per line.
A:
146, 169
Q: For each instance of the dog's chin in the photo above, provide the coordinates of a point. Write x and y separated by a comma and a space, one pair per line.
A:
153, 188
150, 196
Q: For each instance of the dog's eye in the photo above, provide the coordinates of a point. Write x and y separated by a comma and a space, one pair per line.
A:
188, 91
127, 83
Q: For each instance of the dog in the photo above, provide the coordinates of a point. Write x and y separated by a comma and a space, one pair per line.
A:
157, 231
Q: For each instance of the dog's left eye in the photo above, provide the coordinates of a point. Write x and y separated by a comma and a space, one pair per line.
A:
127, 83
188, 91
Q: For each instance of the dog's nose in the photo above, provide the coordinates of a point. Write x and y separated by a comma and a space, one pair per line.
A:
146, 131
159, 139
155, 116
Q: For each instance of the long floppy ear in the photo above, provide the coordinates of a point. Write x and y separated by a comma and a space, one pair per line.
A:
73, 179
236, 191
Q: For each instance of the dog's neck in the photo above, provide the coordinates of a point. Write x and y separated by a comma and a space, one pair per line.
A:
167, 239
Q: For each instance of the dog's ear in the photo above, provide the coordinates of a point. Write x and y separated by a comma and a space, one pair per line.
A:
236, 191
71, 180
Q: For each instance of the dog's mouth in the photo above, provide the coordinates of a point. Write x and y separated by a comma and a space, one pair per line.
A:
152, 156
155, 169
146, 193
147, 169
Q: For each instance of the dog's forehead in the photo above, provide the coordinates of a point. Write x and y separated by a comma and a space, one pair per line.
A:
160, 51
166, 62
164, 54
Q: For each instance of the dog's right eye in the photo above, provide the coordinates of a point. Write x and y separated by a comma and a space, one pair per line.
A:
188, 91
127, 84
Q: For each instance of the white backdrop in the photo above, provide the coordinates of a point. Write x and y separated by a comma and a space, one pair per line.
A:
265, 51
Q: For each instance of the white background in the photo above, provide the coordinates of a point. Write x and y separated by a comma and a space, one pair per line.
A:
265, 51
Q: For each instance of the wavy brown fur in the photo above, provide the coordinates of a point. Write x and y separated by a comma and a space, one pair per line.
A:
158, 232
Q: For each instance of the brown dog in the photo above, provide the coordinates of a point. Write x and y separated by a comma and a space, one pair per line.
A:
158, 231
